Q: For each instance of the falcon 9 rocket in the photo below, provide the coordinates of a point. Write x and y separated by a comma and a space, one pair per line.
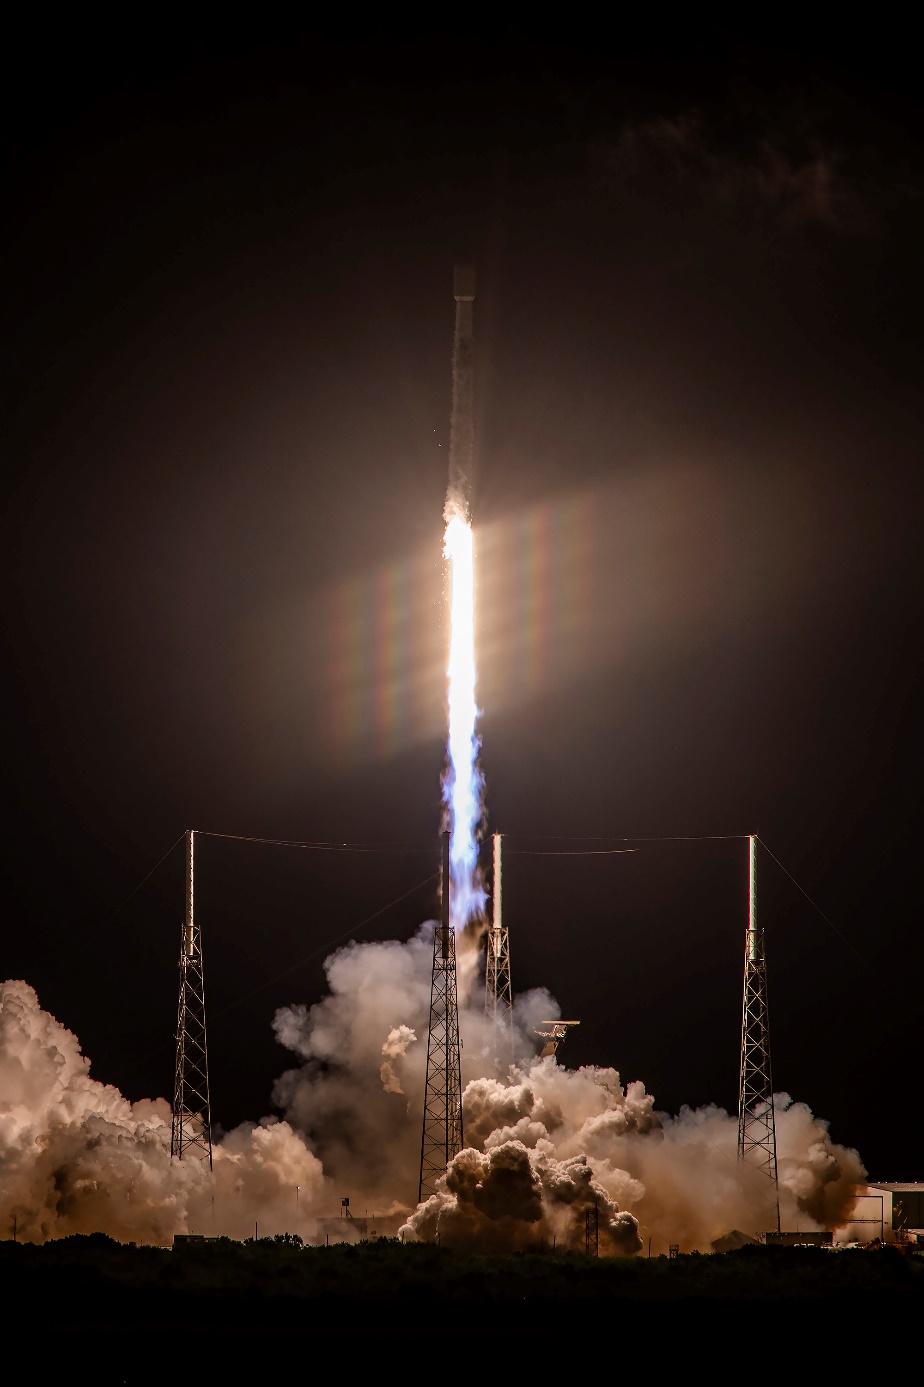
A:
462, 426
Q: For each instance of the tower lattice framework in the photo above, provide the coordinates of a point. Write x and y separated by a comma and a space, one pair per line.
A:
498, 999
756, 1122
442, 1119
192, 1120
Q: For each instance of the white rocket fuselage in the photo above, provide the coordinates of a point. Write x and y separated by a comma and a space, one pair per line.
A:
462, 422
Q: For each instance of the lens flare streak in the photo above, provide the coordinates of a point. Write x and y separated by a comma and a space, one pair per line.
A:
462, 783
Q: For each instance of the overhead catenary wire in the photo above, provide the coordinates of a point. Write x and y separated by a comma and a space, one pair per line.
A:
330, 845
306, 958
670, 838
133, 893
603, 838
570, 852
320, 845
632, 838
330, 943
397, 847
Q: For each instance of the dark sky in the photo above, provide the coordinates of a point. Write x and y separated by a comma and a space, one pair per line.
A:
227, 271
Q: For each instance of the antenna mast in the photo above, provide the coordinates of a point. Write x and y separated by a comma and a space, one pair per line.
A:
192, 1121
756, 1123
442, 1119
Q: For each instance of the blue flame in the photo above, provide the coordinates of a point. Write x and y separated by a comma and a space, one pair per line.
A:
463, 781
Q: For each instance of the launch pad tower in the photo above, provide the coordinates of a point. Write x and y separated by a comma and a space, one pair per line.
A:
498, 999
192, 1121
756, 1123
442, 1119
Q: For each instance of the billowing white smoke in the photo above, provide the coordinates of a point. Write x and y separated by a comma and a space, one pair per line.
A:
395, 1046
363, 1116
548, 1141
678, 1176
544, 1143
510, 1197
77, 1157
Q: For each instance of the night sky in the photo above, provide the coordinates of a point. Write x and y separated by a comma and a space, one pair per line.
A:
226, 356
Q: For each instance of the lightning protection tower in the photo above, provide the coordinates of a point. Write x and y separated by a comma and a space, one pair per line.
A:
592, 1231
442, 1119
192, 1122
756, 1123
498, 1000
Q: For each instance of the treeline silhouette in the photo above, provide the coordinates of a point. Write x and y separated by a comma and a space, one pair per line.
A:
215, 1294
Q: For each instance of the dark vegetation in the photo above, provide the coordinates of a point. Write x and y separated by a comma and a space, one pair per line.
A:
221, 1296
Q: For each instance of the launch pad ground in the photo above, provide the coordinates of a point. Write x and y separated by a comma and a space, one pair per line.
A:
225, 1298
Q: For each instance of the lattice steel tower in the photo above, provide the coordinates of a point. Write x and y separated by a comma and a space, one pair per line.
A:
442, 1119
498, 1000
192, 1121
756, 1123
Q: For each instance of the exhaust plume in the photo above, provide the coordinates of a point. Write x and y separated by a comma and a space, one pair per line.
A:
545, 1143
462, 780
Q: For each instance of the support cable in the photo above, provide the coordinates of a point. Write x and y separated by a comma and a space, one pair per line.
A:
132, 894
827, 919
354, 929
321, 845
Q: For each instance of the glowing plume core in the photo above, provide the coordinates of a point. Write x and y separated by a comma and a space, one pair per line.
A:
463, 780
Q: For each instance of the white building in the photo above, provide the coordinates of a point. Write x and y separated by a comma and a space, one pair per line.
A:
889, 1209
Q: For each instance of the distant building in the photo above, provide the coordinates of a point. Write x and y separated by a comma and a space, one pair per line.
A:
895, 1209
355, 1230
797, 1239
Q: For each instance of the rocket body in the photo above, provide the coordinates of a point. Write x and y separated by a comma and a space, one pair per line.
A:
462, 779
462, 421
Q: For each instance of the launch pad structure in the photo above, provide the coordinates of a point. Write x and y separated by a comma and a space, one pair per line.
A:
442, 1134
498, 998
553, 1037
441, 1139
756, 1121
192, 1119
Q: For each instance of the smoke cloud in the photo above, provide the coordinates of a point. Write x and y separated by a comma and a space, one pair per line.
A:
543, 1143
396, 1043
805, 185
509, 1197
78, 1157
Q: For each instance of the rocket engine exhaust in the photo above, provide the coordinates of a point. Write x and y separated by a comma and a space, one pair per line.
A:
462, 781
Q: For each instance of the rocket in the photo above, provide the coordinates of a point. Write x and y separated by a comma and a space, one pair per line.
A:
462, 424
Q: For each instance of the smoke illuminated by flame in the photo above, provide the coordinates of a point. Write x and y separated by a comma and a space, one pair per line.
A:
463, 780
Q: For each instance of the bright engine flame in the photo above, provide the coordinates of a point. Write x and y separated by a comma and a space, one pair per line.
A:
463, 781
